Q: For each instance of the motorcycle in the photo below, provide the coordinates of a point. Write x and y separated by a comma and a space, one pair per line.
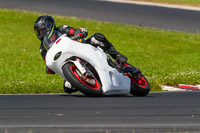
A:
90, 70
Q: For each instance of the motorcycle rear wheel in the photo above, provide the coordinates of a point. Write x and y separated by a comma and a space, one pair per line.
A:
139, 84
91, 90
140, 87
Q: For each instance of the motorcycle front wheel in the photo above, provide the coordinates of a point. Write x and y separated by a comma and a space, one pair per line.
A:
88, 85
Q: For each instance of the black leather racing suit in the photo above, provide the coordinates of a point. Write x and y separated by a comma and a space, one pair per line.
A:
69, 31
100, 40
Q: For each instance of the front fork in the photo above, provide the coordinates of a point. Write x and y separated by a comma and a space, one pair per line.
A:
78, 64
84, 73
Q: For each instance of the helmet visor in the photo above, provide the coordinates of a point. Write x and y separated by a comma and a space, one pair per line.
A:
40, 32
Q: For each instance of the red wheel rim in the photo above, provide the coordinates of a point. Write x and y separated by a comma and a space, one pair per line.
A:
96, 86
139, 81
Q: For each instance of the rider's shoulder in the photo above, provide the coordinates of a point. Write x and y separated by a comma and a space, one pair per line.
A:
63, 27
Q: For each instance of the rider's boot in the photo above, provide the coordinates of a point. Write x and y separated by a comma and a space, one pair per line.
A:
121, 59
68, 88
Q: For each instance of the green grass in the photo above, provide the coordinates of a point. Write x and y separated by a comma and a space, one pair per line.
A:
165, 57
178, 2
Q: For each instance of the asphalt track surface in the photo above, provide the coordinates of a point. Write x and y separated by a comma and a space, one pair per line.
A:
132, 14
158, 112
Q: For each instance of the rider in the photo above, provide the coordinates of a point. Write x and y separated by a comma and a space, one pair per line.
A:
46, 24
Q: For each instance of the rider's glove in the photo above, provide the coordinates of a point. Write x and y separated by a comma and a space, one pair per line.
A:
77, 37
49, 71
121, 58
84, 32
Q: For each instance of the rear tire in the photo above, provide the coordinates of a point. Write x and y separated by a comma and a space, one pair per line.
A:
139, 84
140, 87
70, 72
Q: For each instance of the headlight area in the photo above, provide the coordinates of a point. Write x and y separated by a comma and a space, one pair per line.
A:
57, 55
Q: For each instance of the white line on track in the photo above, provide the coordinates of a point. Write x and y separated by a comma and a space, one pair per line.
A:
100, 125
155, 4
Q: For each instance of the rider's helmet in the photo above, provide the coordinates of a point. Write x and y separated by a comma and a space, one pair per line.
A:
42, 25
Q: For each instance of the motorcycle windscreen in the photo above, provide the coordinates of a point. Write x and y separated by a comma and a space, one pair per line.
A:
50, 38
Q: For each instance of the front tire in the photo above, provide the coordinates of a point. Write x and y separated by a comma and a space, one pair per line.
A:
71, 73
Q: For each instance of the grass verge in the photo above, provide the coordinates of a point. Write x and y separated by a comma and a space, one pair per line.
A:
165, 57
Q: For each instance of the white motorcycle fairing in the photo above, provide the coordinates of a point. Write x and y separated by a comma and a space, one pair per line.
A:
113, 82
